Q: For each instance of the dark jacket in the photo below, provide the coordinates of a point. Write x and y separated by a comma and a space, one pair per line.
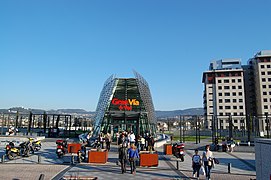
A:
123, 153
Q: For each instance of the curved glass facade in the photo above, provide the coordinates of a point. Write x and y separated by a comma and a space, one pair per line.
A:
125, 104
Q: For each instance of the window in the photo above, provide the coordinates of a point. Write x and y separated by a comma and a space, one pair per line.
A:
221, 121
233, 87
210, 93
234, 93
227, 94
219, 94
264, 93
265, 100
240, 100
219, 81
242, 121
233, 80
227, 100
235, 121
227, 107
240, 93
241, 114
239, 80
269, 93
220, 107
220, 114
219, 87
269, 72
240, 107
226, 81
234, 100
220, 100
268, 66
239, 87
264, 86
263, 80
265, 107
262, 66
226, 87
234, 107
269, 86
263, 73
269, 79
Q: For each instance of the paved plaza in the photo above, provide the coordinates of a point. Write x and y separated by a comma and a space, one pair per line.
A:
242, 166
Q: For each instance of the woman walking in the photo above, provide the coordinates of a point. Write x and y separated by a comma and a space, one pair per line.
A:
133, 154
207, 158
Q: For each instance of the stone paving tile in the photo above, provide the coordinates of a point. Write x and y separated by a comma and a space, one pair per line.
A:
165, 170
29, 171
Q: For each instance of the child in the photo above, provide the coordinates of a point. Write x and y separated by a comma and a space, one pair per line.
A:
196, 163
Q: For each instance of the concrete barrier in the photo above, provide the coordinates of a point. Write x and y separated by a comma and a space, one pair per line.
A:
263, 158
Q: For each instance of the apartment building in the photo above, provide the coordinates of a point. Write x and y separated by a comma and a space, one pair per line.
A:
261, 67
224, 95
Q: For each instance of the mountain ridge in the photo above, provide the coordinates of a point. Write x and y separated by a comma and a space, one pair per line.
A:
158, 113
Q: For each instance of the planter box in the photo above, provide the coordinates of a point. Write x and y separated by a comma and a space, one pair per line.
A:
147, 159
167, 149
74, 147
95, 156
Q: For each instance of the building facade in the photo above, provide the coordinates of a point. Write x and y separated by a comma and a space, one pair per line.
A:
261, 67
241, 92
125, 104
224, 94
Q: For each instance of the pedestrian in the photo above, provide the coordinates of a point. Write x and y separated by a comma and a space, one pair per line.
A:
133, 155
196, 163
108, 141
207, 158
123, 156
142, 143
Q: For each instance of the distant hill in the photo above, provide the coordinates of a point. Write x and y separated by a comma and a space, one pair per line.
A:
159, 114
190, 111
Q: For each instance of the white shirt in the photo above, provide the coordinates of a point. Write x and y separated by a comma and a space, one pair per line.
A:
207, 155
132, 138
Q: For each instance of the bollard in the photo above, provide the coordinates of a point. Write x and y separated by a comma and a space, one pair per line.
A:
72, 160
229, 167
3, 159
177, 164
39, 158
41, 177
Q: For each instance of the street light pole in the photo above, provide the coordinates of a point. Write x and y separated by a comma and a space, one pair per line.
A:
180, 126
196, 122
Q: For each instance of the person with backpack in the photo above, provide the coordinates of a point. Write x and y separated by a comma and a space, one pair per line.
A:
133, 154
196, 163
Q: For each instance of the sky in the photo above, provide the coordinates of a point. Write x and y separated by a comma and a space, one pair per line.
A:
58, 54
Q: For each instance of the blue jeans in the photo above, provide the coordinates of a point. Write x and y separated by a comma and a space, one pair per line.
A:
207, 169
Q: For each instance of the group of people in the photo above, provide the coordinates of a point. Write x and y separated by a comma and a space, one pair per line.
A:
143, 143
105, 139
205, 161
130, 146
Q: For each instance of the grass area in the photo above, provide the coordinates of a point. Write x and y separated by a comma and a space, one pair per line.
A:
189, 138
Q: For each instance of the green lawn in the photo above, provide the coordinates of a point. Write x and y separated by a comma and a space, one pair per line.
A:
187, 138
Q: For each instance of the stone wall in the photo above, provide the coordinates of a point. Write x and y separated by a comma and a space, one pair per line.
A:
263, 158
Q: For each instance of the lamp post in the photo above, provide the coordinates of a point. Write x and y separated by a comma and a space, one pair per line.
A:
180, 126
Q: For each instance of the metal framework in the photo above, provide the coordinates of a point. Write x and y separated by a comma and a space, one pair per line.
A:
138, 112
